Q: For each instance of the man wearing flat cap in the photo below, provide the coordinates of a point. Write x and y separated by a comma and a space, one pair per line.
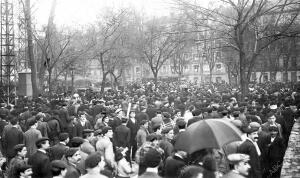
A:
240, 166
58, 150
250, 147
58, 168
40, 161
73, 158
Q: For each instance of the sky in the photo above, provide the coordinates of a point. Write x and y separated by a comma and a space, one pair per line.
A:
83, 12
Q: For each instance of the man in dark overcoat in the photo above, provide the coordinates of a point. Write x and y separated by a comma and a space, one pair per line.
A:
250, 147
40, 161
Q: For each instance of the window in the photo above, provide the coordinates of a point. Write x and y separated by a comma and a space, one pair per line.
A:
186, 67
173, 69
265, 77
218, 79
185, 56
218, 66
195, 57
196, 68
164, 69
137, 70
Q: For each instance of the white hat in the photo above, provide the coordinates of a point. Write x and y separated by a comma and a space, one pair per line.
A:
273, 106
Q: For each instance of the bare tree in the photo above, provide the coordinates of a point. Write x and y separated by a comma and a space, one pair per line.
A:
248, 27
108, 44
27, 11
156, 46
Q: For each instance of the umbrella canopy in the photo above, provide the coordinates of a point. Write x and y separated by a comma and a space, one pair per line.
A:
208, 133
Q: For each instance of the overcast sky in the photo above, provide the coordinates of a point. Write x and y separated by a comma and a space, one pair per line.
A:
81, 12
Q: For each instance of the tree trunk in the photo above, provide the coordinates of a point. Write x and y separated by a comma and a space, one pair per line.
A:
260, 77
210, 76
49, 83
35, 91
72, 81
243, 78
229, 76
66, 82
103, 82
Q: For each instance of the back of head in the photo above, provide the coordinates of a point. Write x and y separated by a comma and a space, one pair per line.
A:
191, 171
92, 160
13, 120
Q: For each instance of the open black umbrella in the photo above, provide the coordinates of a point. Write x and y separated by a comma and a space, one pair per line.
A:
208, 133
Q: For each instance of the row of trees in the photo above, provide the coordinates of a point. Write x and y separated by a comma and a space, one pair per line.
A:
242, 31
250, 30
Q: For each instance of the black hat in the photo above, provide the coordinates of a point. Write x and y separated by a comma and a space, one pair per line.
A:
273, 128
40, 140
58, 164
106, 129
143, 122
151, 137
224, 112
63, 136
22, 168
124, 119
71, 151
85, 131
76, 141
19, 147
92, 160
181, 123
31, 121
152, 158
98, 132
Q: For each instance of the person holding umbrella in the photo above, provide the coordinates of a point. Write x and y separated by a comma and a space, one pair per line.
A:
240, 164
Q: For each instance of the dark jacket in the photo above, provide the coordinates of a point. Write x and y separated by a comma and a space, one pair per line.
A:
63, 119
134, 127
16, 163
72, 172
122, 136
173, 165
149, 175
79, 128
12, 137
247, 147
41, 166
57, 151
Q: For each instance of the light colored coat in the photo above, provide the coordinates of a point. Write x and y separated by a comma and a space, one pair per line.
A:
30, 137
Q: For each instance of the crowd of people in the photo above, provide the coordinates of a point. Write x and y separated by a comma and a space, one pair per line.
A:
133, 132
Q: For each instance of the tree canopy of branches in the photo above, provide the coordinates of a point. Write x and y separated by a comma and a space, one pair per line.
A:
247, 27
109, 45
156, 44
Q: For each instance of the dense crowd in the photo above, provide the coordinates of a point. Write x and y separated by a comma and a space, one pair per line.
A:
133, 132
